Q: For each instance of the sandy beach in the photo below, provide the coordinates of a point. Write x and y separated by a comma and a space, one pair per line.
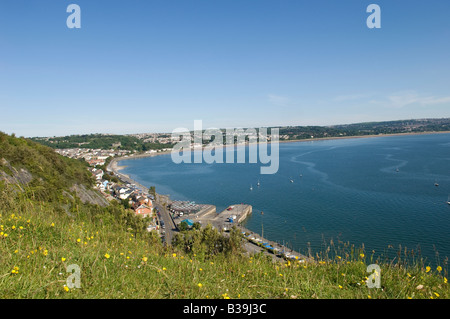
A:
116, 168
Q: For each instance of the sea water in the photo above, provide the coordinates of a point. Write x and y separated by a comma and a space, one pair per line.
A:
378, 192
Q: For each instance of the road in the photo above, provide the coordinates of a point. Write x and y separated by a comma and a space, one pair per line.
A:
170, 228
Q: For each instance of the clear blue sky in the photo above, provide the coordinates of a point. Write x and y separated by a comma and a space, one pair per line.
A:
153, 66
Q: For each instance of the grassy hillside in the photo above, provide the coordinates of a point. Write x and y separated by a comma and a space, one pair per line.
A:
119, 259
51, 173
38, 244
100, 141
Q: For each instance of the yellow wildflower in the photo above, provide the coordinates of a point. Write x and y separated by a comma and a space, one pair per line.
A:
107, 256
66, 288
428, 269
144, 259
199, 285
439, 268
63, 259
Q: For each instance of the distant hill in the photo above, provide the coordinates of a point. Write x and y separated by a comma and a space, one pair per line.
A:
100, 141
141, 144
362, 129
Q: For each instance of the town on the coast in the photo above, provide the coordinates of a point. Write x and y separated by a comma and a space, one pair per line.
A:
101, 153
166, 216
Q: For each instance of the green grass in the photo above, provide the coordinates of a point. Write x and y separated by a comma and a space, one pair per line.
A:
116, 264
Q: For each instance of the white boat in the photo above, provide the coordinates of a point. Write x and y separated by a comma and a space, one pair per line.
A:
258, 183
251, 187
291, 180
448, 200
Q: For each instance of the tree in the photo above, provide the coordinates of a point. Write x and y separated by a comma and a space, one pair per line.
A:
197, 226
152, 191
183, 226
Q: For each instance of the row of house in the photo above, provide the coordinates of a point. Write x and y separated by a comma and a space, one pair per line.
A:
93, 156
140, 202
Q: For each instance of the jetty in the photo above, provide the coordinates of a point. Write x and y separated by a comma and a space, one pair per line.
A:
269, 247
235, 215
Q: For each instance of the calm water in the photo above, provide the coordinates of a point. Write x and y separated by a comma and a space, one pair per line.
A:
349, 190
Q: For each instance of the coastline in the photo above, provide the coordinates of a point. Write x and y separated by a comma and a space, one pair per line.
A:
116, 168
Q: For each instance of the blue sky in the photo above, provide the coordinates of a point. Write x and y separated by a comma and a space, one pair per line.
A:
152, 66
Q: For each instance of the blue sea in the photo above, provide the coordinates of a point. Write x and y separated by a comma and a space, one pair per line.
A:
378, 192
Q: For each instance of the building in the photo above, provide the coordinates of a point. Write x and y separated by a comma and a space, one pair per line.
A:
189, 222
143, 210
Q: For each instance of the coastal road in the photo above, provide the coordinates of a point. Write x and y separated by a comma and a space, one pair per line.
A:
170, 228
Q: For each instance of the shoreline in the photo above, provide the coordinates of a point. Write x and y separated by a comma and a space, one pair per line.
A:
116, 168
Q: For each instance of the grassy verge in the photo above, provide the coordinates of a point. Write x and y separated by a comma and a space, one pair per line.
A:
38, 243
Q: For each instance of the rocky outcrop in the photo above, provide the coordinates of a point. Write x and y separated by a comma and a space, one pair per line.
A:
16, 176
89, 195
21, 177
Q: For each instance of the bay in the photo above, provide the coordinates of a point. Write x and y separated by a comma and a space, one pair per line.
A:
378, 192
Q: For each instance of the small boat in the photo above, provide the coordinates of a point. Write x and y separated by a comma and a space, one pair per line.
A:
436, 184
251, 187
258, 183
448, 200
397, 170
291, 180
